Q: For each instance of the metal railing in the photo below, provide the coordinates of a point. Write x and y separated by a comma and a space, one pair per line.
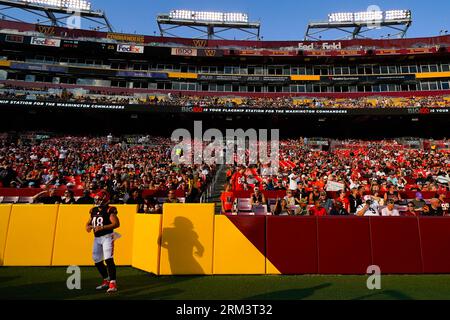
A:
207, 194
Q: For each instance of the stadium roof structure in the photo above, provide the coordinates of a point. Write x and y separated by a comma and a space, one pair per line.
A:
357, 25
209, 24
58, 13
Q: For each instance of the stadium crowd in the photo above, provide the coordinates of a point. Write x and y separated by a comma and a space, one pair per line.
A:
125, 97
92, 163
338, 181
357, 178
64, 95
291, 102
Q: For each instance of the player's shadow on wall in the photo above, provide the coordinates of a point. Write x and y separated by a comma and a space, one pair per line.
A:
182, 245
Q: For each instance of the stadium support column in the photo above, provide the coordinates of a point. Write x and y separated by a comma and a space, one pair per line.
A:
210, 32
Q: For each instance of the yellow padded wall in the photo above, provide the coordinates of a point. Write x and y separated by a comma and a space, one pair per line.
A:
146, 245
187, 239
123, 250
5, 211
31, 235
271, 269
73, 245
233, 252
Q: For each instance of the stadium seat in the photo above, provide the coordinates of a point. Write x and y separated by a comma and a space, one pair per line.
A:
244, 206
229, 214
25, 200
260, 210
246, 213
10, 200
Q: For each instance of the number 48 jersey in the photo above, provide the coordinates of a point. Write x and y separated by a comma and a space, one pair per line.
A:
100, 217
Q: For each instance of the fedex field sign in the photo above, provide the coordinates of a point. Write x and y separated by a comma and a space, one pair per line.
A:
322, 46
128, 48
45, 42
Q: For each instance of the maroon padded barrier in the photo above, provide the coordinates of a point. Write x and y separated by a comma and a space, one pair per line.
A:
435, 238
291, 244
396, 245
333, 195
267, 194
253, 228
344, 245
30, 192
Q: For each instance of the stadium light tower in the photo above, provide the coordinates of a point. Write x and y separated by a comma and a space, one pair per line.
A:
208, 23
356, 24
55, 12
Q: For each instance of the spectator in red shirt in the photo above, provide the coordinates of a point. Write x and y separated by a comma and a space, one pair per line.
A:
229, 174
411, 212
227, 199
318, 210
344, 200
238, 180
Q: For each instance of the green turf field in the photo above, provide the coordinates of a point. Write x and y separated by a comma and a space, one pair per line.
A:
50, 283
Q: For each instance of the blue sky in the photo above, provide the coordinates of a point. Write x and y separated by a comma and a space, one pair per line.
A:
282, 19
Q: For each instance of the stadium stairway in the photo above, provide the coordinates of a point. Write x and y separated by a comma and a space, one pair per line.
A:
218, 188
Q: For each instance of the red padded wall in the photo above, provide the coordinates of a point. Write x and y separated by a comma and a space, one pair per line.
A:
253, 228
291, 244
435, 237
344, 245
396, 245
